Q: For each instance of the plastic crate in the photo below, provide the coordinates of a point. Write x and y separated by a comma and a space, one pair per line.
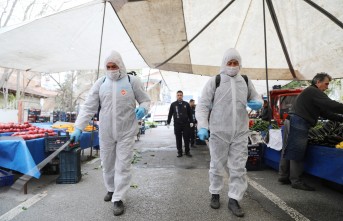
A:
70, 167
52, 168
255, 153
271, 157
6, 178
55, 142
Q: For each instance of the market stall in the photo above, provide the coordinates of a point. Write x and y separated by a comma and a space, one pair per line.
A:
15, 155
322, 161
37, 146
324, 153
24, 155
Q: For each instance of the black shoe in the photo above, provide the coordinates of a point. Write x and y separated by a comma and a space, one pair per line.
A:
302, 186
179, 155
284, 180
215, 204
188, 154
118, 208
108, 196
235, 208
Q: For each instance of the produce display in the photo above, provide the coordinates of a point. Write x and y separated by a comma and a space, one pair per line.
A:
261, 125
34, 133
26, 130
89, 128
340, 145
14, 127
70, 127
328, 134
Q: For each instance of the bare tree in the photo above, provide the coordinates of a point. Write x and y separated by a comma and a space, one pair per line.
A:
3, 12
28, 8
3, 84
11, 9
29, 79
66, 100
5, 76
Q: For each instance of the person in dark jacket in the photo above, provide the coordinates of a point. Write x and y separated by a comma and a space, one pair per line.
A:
266, 114
182, 114
310, 104
194, 128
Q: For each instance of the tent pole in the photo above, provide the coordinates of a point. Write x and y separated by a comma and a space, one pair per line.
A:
265, 51
147, 83
102, 33
97, 76
330, 16
163, 79
279, 33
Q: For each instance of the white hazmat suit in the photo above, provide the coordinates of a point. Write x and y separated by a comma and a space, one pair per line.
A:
118, 124
228, 125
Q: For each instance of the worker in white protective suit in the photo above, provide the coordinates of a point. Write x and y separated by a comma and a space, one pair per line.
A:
116, 93
228, 122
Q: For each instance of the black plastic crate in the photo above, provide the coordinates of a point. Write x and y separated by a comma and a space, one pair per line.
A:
52, 168
70, 167
255, 153
55, 142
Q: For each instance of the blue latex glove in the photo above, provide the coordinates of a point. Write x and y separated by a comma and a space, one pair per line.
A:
140, 112
255, 105
75, 136
203, 134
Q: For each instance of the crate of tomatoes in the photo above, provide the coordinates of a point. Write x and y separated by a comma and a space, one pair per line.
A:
34, 133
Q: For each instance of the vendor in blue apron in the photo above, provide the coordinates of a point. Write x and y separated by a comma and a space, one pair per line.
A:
309, 105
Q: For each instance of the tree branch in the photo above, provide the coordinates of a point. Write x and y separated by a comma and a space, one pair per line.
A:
11, 12
28, 8
55, 81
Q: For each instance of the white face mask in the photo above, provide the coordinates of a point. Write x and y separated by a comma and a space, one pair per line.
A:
113, 75
231, 71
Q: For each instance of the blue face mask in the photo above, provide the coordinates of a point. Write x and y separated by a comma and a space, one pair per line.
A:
231, 71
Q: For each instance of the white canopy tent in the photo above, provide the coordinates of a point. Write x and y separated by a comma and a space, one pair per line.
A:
313, 41
187, 36
68, 40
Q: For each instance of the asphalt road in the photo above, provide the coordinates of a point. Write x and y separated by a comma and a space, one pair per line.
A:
165, 187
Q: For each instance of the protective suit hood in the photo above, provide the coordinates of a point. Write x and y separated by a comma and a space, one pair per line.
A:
115, 57
230, 54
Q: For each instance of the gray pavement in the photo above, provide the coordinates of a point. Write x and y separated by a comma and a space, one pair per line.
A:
165, 187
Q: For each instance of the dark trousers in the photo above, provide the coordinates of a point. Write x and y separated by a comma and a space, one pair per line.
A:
179, 131
292, 169
192, 135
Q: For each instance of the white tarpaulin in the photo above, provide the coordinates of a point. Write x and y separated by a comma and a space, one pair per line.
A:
68, 40
314, 42
167, 34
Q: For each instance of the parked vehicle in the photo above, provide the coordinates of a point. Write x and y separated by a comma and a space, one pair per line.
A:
159, 113
281, 101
